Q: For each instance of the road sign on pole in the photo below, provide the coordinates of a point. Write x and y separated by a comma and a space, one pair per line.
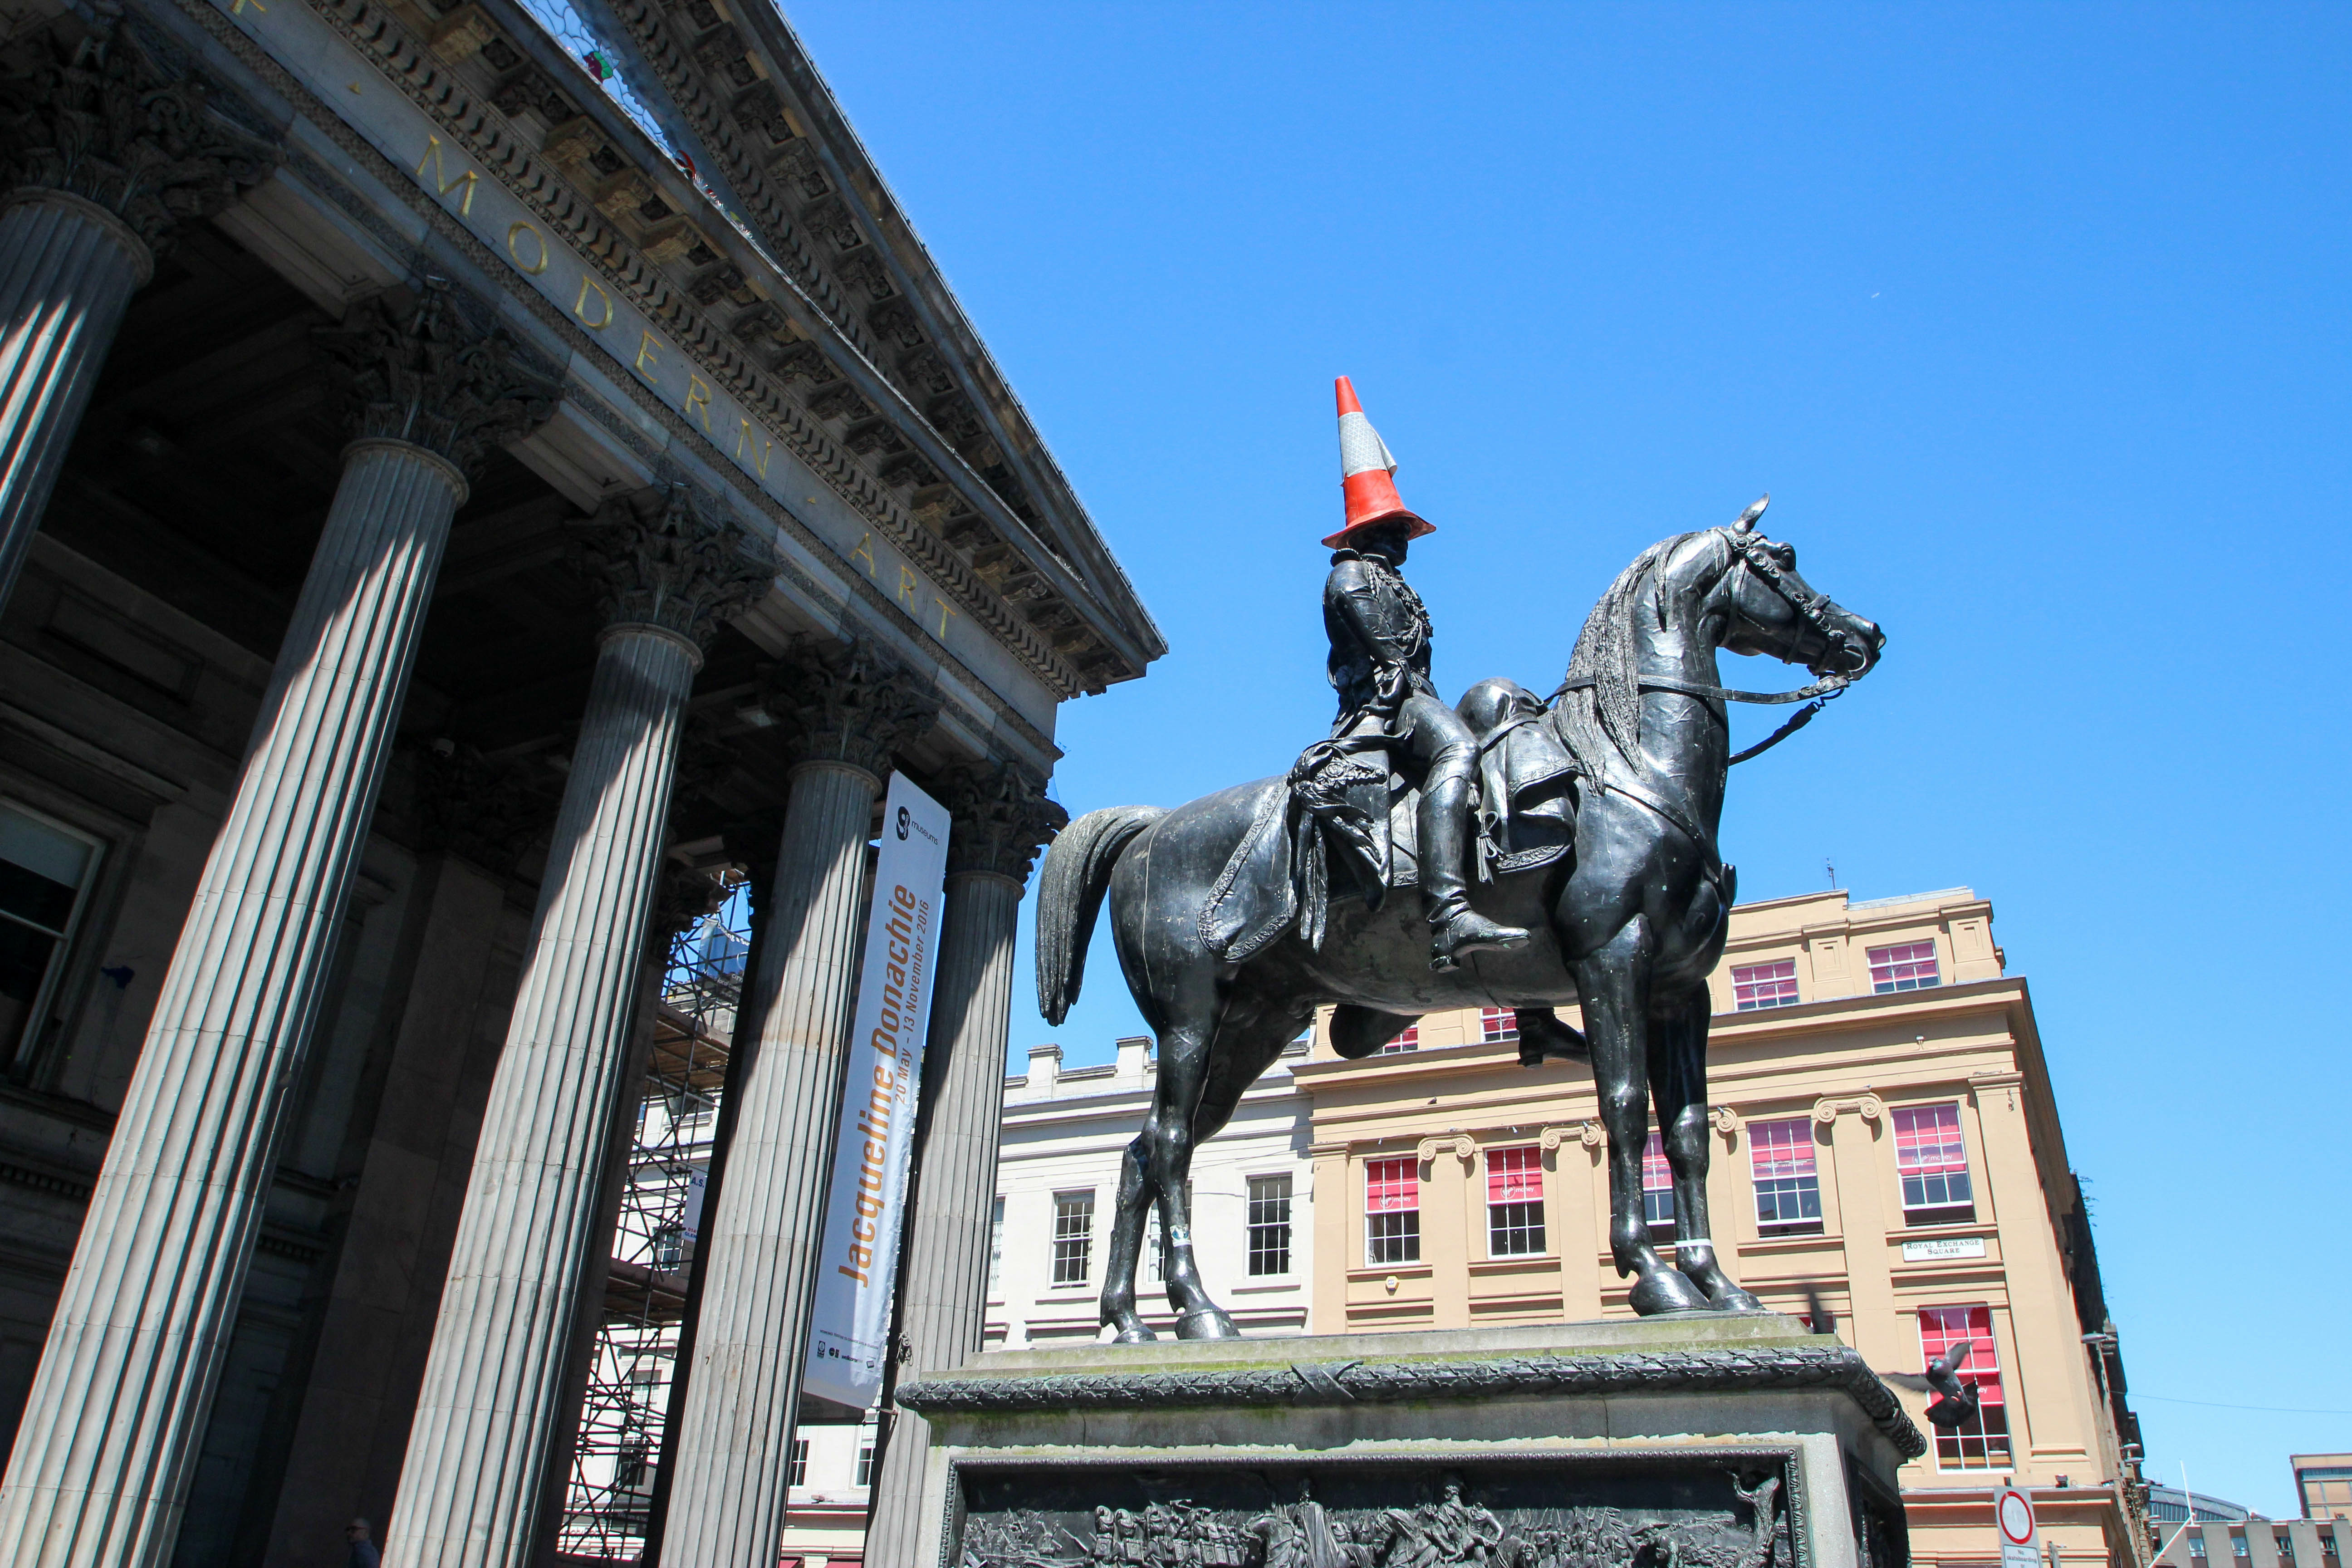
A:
2012, 1510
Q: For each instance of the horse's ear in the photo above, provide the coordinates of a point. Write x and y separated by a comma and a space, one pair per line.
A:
1746, 520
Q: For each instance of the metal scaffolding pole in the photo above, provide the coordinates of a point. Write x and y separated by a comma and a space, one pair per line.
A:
628, 1400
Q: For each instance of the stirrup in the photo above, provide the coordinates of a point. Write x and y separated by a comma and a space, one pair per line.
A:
1467, 931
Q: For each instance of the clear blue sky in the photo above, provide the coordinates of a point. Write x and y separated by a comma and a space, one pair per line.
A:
2032, 320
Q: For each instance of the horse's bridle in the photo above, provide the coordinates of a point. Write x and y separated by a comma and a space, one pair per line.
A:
1751, 548
1755, 550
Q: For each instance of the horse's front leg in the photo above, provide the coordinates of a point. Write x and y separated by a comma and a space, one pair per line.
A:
1678, 1082
1127, 1242
1614, 982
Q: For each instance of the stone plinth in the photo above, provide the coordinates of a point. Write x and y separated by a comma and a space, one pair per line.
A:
1702, 1441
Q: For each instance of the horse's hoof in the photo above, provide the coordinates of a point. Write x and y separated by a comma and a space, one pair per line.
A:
1667, 1291
1735, 1300
1132, 1331
1208, 1323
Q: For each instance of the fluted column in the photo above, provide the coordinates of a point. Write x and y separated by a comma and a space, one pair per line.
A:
107, 153
849, 710
102, 1461
1001, 819
472, 1482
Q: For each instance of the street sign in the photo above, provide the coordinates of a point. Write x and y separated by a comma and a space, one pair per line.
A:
2012, 1510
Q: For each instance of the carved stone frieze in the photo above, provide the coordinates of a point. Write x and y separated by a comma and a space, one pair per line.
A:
1000, 818
845, 702
663, 561
423, 367
104, 118
1672, 1514
1706, 1370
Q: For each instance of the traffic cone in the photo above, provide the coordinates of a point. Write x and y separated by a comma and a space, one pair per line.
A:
1366, 474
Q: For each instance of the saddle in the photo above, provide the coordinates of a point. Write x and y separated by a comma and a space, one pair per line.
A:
1344, 815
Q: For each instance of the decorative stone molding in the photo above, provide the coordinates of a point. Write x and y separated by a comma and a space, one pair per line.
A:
105, 119
847, 703
1459, 1145
486, 809
663, 562
418, 367
1724, 1119
1000, 818
1589, 1134
1869, 1107
1348, 1383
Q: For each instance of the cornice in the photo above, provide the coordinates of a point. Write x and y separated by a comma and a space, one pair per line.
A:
875, 313
742, 77
629, 254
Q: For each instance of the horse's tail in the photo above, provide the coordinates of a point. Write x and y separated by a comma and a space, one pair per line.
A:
1070, 892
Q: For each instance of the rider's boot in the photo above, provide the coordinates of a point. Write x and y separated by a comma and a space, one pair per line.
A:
1445, 832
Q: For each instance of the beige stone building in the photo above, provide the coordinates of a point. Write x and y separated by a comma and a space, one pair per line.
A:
1886, 1136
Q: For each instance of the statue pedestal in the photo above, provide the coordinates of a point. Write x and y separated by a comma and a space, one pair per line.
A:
1699, 1441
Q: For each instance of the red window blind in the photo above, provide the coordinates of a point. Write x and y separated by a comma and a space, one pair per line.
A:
1515, 1175
1391, 1187
1772, 985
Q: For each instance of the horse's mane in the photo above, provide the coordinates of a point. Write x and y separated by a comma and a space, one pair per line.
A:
1608, 712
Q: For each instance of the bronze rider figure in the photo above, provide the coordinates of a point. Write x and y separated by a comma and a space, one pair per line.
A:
1380, 635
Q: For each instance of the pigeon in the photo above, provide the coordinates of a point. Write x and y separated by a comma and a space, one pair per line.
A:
1955, 1401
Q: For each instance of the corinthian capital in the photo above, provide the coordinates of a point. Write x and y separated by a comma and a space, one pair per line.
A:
422, 369
847, 703
101, 116
1000, 818
665, 561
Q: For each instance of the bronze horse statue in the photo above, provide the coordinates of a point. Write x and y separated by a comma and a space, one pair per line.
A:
1630, 921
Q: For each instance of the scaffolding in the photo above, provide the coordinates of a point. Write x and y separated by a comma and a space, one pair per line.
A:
627, 1400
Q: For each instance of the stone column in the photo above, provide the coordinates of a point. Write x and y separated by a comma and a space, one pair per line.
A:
1001, 818
849, 710
107, 154
103, 1460
472, 1483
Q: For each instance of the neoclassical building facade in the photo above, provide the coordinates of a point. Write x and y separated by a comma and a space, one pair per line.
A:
477, 484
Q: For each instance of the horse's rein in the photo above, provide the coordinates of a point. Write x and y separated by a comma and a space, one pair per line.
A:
1815, 697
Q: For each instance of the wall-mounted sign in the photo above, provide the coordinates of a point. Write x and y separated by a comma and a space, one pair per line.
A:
1943, 1247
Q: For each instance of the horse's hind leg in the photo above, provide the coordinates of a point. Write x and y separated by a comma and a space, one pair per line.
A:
1678, 1082
1125, 1242
1187, 1042
1186, 1023
1247, 1042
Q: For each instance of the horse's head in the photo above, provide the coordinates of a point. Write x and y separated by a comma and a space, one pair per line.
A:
1770, 609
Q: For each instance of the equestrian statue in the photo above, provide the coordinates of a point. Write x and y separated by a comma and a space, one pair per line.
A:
1563, 851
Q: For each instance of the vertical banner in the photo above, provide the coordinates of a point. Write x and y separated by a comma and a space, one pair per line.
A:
866, 1203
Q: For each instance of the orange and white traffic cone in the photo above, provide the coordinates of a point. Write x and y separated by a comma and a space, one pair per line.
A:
1366, 475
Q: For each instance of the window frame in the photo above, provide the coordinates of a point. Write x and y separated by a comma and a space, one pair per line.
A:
1252, 1225
26, 1053
1653, 1159
1082, 1242
1757, 1000
1522, 1215
1405, 1235
1985, 1368
1874, 959
1496, 1024
1408, 1040
1960, 1210
1757, 1134
796, 1464
995, 1287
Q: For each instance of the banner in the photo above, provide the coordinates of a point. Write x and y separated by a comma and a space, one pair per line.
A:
866, 1206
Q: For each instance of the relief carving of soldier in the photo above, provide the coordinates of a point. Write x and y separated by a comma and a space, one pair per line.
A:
1381, 635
